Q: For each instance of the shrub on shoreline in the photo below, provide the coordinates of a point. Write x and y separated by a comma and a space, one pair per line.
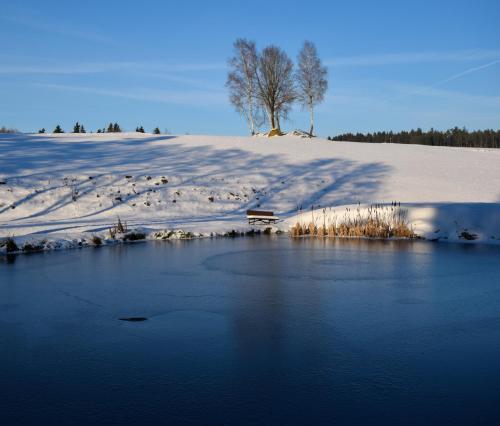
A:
134, 236
10, 245
34, 247
97, 241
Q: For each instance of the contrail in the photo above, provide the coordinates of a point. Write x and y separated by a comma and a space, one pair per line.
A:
446, 80
454, 77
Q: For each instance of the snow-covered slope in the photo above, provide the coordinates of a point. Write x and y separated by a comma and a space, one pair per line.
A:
74, 183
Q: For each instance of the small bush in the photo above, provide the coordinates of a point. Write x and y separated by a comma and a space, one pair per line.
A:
10, 245
466, 235
134, 236
97, 241
233, 234
30, 248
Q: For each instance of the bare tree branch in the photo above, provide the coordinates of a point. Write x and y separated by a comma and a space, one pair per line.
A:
242, 84
276, 86
311, 79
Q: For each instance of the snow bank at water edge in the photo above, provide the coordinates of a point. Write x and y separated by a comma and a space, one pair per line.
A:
79, 184
452, 222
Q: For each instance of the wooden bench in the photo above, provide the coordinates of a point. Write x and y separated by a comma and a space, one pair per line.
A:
261, 216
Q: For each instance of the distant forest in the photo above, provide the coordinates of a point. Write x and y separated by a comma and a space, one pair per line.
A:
453, 137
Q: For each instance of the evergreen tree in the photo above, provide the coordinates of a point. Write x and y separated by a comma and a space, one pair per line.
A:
58, 129
116, 128
76, 128
98, 130
141, 129
110, 128
42, 130
82, 129
156, 131
452, 137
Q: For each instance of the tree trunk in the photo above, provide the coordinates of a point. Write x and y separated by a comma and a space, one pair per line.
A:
312, 121
252, 125
271, 119
250, 113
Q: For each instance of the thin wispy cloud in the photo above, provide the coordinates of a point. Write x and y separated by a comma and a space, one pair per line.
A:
193, 82
96, 67
190, 98
428, 88
415, 58
62, 69
57, 29
360, 109
374, 96
459, 75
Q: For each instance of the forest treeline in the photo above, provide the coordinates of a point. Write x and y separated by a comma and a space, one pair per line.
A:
453, 137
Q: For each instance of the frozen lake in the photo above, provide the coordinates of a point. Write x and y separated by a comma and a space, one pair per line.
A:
252, 331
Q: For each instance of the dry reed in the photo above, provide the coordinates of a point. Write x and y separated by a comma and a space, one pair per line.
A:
376, 221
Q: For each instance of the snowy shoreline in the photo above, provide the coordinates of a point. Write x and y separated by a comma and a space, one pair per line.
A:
473, 224
71, 186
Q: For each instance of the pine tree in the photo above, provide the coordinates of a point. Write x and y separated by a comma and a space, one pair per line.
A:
98, 130
82, 129
116, 128
110, 128
141, 129
156, 131
42, 130
58, 129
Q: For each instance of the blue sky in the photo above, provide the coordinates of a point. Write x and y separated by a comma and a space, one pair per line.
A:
392, 64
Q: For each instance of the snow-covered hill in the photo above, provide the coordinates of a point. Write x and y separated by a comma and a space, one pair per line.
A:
81, 183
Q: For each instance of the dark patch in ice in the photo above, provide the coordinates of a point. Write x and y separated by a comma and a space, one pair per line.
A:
133, 319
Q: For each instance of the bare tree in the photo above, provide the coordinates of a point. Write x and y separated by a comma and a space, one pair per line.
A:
242, 83
311, 79
276, 87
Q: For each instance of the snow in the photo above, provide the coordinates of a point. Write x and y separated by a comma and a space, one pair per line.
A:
71, 185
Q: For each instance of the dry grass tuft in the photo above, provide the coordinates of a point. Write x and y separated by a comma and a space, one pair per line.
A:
378, 221
119, 228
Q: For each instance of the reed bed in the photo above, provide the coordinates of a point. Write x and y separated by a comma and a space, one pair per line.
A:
376, 221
